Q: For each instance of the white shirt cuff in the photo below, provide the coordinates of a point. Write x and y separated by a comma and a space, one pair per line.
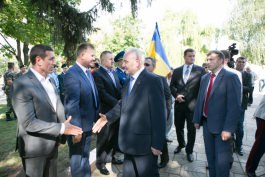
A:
62, 129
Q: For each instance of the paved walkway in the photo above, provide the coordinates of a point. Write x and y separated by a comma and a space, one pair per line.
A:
179, 166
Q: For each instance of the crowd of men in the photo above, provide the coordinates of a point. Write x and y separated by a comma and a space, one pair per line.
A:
132, 111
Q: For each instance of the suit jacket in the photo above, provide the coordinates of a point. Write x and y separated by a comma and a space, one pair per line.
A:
142, 115
246, 78
223, 103
189, 90
260, 111
167, 95
61, 85
109, 94
79, 99
38, 129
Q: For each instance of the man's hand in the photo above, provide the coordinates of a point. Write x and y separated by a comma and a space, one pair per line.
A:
225, 135
197, 126
100, 123
71, 129
155, 151
77, 138
180, 98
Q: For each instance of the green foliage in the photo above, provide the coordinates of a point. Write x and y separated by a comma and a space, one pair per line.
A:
247, 26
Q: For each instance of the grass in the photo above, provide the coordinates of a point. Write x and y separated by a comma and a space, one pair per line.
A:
10, 162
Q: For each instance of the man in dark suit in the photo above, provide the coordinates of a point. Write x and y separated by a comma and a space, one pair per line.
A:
82, 103
120, 69
61, 85
184, 87
109, 90
150, 65
218, 109
246, 81
41, 118
142, 113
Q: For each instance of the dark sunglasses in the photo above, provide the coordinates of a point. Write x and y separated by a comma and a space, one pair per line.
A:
146, 64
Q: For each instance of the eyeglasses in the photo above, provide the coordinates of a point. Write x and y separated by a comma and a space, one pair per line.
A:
146, 64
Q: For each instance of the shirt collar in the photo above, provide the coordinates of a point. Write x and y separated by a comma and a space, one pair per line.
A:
82, 67
39, 76
136, 75
185, 66
108, 70
216, 73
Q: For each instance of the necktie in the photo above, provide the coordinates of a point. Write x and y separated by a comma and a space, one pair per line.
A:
112, 77
130, 85
208, 94
186, 74
90, 79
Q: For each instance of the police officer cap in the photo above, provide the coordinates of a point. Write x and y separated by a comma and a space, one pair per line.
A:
119, 56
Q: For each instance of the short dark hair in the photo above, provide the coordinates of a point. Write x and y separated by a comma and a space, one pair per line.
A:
226, 54
82, 47
241, 58
188, 50
10, 65
152, 60
104, 53
38, 50
218, 52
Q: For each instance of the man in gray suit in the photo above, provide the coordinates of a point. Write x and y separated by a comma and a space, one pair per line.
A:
41, 117
258, 148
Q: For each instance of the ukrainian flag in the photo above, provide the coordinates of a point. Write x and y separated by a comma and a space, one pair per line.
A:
157, 52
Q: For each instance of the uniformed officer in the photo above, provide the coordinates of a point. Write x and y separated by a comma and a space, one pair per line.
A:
9, 77
120, 69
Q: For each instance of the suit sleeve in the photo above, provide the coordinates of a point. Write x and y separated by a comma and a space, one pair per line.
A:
72, 98
103, 94
23, 104
233, 105
248, 85
167, 96
157, 107
173, 87
115, 113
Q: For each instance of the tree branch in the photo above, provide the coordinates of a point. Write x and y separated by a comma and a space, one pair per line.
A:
14, 51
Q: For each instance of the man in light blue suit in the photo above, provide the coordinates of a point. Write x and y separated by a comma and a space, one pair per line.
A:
218, 110
82, 103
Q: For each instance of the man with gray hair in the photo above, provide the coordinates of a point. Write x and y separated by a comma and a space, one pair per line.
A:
142, 112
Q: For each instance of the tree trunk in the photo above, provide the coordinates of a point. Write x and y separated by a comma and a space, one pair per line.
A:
18, 56
26, 53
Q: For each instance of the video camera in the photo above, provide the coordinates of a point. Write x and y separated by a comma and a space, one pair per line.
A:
233, 51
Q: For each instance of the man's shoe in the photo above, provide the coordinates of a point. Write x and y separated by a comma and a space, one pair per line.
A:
178, 149
190, 157
240, 152
251, 174
162, 164
169, 141
116, 161
103, 170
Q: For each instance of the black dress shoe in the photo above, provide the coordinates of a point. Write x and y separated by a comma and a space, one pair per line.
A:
162, 164
116, 161
240, 152
178, 149
190, 157
103, 170
251, 174
169, 141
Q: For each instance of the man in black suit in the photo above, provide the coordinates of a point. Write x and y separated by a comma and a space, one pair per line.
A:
150, 65
184, 87
142, 112
60, 78
246, 80
41, 117
109, 90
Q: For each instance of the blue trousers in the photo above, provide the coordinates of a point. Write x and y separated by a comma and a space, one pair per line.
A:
218, 153
79, 156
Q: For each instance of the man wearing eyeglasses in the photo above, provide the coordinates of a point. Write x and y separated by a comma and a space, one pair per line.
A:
246, 81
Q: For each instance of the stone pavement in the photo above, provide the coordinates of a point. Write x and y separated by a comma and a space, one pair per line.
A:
178, 165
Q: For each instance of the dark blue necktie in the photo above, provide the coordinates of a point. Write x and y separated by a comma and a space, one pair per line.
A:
91, 81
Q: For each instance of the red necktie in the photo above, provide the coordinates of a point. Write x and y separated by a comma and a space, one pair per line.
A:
208, 94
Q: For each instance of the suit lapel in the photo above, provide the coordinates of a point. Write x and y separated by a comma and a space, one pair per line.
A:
192, 74
217, 81
181, 75
42, 92
104, 72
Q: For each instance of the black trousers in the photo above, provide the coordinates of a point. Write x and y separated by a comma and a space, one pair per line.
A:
140, 166
164, 156
250, 98
107, 142
41, 166
180, 118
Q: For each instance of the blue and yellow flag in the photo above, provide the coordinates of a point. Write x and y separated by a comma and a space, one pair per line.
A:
157, 52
